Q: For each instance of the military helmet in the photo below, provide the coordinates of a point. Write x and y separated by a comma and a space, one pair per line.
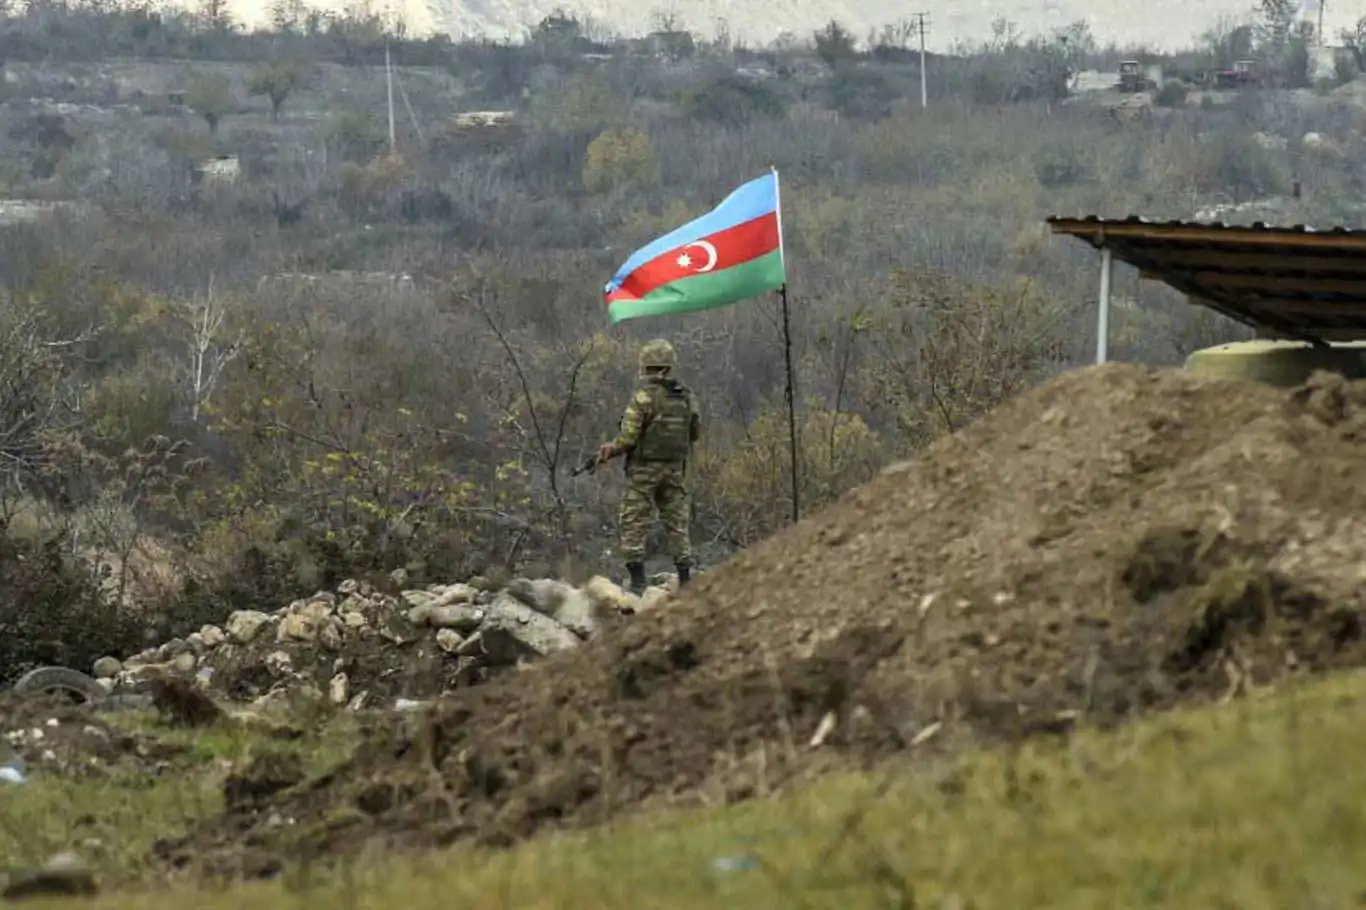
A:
657, 353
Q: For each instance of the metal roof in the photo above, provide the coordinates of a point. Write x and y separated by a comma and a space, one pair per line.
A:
1296, 282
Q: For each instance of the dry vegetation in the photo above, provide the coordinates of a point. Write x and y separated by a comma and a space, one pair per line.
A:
223, 389
227, 390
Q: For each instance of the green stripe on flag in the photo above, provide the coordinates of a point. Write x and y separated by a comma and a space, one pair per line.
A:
708, 291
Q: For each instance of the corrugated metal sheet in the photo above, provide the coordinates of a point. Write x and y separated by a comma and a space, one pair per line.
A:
1296, 281
1256, 227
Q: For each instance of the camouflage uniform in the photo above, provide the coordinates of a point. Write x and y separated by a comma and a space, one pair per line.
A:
657, 432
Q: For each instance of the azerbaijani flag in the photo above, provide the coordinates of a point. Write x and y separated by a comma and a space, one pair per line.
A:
733, 252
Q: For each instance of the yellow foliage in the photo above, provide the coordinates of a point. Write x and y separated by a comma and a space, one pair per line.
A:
946, 351
587, 102
620, 158
368, 184
751, 482
126, 408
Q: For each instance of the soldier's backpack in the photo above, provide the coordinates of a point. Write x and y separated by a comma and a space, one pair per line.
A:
667, 434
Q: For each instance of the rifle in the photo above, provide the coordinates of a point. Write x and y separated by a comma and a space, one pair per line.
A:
589, 466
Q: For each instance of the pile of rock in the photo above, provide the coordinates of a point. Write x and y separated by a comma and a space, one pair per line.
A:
357, 645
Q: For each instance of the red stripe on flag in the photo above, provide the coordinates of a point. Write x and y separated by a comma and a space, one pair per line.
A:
734, 246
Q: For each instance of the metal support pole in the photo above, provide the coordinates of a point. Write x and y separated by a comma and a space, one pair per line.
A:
1107, 269
924, 92
389, 80
791, 394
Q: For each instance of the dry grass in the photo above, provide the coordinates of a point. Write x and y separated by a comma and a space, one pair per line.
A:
1252, 805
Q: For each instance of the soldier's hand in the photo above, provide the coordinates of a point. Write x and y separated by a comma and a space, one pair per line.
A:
606, 452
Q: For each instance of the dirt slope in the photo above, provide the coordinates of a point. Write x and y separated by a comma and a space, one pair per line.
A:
1115, 541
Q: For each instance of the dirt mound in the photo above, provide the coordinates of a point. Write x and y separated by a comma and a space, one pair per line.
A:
1118, 540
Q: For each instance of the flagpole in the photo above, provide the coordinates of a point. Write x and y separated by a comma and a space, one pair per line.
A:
791, 391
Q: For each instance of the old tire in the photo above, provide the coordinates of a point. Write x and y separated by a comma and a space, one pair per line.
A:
52, 680
1284, 364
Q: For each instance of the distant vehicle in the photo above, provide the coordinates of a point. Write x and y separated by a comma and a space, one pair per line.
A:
1243, 74
1134, 78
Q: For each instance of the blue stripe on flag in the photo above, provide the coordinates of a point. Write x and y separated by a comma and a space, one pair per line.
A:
753, 200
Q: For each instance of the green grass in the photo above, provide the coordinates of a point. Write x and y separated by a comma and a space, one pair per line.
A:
113, 821
1258, 804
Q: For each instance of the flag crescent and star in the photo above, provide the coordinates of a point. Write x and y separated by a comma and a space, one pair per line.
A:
685, 260
729, 254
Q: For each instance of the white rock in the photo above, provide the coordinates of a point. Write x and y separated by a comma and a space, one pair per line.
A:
244, 625
578, 614
107, 668
66, 861
544, 595
456, 594
296, 627
172, 648
279, 663
607, 594
339, 689
415, 597
213, 636
463, 618
653, 597
316, 609
354, 620
449, 640
330, 635
536, 633
184, 663
353, 605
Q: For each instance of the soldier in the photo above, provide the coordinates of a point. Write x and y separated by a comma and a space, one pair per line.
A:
656, 435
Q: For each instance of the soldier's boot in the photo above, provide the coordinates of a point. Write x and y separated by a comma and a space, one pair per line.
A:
638, 582
684, 573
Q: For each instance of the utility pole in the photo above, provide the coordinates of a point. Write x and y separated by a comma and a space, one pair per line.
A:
920, 30
1323, 39
389, 77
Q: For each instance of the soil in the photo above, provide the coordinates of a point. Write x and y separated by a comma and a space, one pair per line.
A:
1117, 541
54, 736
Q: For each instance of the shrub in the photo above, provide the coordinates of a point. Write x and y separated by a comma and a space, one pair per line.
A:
54, 611
620, 158
1060, 165
1172, 94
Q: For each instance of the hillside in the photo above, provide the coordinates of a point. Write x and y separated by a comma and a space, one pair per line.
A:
1159, 23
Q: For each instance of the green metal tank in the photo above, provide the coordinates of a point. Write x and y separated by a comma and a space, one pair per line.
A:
1279, 363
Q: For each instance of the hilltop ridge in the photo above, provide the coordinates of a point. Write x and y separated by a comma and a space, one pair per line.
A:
1158, 23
